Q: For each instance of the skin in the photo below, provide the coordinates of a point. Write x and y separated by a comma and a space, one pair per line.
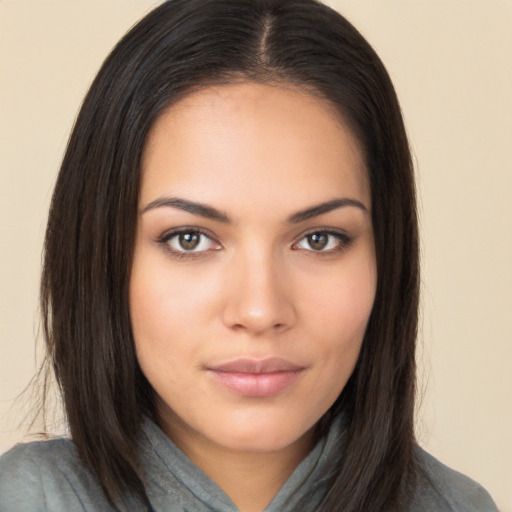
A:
255, 286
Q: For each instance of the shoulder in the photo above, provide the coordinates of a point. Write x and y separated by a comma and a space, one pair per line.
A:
442, 489
48, 475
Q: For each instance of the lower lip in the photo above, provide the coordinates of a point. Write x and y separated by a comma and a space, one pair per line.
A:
256, 384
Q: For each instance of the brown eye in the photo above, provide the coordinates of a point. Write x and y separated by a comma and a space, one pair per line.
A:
184, 241
189, 241
324, 242
318, 241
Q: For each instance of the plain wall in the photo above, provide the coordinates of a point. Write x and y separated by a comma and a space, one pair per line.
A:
451, 63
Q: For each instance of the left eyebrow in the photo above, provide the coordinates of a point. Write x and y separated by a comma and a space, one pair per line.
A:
189, 206
326, 207
214, 214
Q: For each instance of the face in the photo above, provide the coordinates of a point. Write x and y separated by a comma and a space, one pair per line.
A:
254, 270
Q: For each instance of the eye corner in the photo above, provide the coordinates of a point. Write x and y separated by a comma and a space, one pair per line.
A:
323, 241
200, 242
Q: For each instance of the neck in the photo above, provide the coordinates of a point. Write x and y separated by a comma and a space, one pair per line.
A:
250, 479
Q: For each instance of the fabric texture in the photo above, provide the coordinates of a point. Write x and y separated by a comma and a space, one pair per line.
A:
48, 476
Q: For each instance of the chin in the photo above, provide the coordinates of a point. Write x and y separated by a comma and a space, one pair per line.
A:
257, 443
261, 434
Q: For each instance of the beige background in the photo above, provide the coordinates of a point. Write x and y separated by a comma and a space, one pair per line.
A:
451, 62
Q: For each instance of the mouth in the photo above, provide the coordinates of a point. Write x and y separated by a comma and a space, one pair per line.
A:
256, 378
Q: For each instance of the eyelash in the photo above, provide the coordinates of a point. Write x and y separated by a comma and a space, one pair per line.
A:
168, 236
343, 242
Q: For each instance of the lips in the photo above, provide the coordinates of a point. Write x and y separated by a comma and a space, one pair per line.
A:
269, 365
256, 378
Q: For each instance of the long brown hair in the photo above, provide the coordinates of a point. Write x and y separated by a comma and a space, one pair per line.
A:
180, 46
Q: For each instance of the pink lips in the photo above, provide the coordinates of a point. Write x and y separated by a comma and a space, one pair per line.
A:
256, 378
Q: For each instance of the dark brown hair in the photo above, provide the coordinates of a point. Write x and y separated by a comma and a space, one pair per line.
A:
180, 46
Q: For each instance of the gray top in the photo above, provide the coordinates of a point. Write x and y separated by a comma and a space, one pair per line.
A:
48, 476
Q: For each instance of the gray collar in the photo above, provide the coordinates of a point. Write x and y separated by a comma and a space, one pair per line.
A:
172, 475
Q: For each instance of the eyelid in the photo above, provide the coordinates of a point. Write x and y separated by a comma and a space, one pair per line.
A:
167, 235
344, 238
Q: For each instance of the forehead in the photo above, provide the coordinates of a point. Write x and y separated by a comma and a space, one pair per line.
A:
233, 141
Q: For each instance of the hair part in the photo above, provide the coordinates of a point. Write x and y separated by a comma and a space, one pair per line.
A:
180, 47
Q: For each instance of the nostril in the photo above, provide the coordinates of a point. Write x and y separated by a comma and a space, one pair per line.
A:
258, 309
239, 327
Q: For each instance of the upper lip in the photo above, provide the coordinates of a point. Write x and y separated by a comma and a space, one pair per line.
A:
248, 365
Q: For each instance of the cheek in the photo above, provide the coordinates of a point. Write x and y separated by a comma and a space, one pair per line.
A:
163, 350
347, 311
163, 301
339, 312
344, 324
169, 311
341, 305
153, 311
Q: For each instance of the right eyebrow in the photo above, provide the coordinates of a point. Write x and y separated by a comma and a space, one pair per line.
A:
188, 206
320, 209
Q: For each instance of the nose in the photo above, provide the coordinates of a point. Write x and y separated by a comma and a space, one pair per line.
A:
259, 298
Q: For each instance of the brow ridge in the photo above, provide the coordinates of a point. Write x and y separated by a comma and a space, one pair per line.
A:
326, 207
212, 213
189, 206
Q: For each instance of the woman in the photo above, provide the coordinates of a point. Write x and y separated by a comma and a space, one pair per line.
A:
230, 286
